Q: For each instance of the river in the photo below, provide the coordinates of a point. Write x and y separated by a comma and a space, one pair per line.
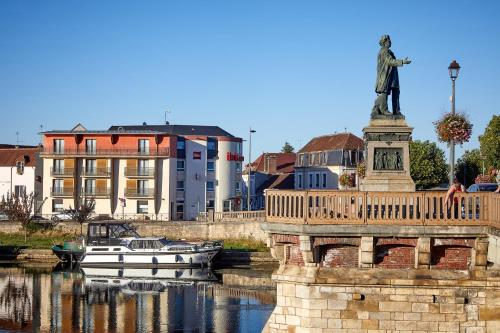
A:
46, 299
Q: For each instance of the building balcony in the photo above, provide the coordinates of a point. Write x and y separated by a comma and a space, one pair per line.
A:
96, 192
139, 172
114, 152
62, 172
96, 172
139, 193
61, 191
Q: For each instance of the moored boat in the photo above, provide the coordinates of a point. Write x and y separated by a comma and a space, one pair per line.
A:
118, 245
69, 251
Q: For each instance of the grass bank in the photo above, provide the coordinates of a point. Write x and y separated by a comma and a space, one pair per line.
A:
45, 240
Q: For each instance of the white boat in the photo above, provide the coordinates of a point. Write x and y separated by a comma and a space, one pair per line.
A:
132, 280
118, 245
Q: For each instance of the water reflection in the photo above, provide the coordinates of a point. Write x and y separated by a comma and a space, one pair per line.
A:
97, 300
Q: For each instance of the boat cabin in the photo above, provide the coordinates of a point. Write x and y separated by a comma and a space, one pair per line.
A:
108, 234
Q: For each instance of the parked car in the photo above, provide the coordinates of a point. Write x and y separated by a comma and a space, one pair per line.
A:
62, 216
3, 217
483, 187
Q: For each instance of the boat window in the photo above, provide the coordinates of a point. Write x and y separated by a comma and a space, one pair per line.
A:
146, 244
98, 231
121, 231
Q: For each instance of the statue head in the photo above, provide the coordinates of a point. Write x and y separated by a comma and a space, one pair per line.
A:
385, 40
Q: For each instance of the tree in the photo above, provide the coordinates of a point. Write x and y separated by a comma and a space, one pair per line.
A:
287, 148
468, 167
19, 208
490, 143
428, 166
82, 212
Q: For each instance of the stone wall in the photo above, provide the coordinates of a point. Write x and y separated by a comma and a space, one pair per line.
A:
174, 230
309, 301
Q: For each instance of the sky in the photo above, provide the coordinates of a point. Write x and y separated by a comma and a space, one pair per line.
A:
291, 70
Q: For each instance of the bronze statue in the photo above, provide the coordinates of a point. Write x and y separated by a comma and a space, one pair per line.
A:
387, 79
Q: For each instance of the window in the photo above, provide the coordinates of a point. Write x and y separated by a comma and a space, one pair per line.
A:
180, 165
57, 205
311, 180
19, 190
179, 209
90, 146
59, 146
317, 180
210, 204
90, 167
210, 186
180, 185
89, 187
196, 155
238, 148
58, 166
210, 145
181, 144
237, 186
144, 146
299, 181
324, 179
238, 167
142, 187
210, 165
142, 207
20, 167
57, 186
142, 167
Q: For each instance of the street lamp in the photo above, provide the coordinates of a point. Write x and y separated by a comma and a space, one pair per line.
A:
249, 167
453, 69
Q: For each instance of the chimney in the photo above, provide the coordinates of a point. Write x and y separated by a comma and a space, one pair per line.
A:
270, 164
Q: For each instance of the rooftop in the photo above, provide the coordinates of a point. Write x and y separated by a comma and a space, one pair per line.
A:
9, 156
345, 141
285, 162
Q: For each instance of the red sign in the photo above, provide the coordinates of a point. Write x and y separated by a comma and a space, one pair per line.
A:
234, 157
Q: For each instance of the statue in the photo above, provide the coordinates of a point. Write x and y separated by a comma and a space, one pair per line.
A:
387, 80
399, 162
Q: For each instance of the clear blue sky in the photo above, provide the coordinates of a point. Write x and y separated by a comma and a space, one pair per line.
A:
290, 69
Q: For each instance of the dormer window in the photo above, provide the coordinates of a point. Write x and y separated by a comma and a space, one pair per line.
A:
20, 167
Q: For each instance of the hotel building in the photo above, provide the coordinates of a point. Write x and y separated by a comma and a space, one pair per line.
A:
167, 172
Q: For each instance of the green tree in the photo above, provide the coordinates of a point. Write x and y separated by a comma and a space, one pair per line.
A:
469, 166
490, 143
287, 148
427, 164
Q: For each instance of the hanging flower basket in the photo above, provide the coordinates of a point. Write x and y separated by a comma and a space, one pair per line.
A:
361, 169
346, 180
453, 127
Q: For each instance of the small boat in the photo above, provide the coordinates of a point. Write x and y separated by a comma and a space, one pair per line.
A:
10, 252
70, 251
118, 245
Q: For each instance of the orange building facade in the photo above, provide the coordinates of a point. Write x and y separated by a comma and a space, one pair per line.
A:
140, 172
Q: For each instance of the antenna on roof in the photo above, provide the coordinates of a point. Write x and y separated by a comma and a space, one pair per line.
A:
169, 112
17, 139
345, 129
41, 134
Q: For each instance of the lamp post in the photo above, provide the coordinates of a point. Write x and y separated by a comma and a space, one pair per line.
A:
453, 69
249, 167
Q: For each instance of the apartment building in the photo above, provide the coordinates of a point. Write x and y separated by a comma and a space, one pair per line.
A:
144, 171
325, 158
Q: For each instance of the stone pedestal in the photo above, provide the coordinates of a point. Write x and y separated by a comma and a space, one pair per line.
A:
388, 157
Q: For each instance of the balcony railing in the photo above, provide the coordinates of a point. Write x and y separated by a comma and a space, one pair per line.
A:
139, 192
96, 192
61, 191
96, 172
389, 208
62, 172
139, 172
163, 152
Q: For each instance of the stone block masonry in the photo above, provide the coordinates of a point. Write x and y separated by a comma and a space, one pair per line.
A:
312, 302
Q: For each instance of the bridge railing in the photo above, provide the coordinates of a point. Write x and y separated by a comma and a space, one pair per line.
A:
407, 208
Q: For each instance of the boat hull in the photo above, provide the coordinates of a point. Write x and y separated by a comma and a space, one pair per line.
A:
157, 259
67, 255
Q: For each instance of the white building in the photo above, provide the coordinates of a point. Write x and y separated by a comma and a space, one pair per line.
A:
145, 171
325, 158
18, 170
